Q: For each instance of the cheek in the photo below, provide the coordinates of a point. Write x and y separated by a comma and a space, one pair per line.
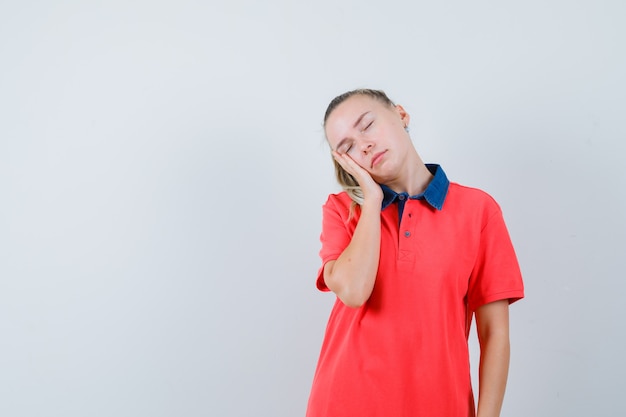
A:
356, 156
360, 161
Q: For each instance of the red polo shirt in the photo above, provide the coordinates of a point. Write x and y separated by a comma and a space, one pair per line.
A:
405, 351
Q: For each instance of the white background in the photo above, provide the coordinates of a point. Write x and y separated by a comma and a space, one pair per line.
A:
163, 167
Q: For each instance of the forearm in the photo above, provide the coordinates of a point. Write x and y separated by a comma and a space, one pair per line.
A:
493, 373
493, 333
353, 274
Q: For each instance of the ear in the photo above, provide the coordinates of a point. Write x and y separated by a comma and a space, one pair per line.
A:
404, 116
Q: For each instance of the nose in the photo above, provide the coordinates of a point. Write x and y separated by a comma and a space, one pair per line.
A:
366, 147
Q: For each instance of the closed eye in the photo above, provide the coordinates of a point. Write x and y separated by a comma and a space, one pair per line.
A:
345, 148
368, 125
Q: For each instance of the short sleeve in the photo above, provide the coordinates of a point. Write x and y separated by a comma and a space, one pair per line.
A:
336, 233
496, 274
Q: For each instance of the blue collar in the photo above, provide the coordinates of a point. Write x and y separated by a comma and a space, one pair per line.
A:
435, 193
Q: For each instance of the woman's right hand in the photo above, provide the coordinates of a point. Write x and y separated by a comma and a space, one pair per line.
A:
371, 189
353, 274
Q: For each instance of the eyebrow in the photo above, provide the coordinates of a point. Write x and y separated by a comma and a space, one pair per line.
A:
358, 120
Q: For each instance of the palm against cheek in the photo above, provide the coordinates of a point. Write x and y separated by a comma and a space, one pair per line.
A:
365, 180
350, 166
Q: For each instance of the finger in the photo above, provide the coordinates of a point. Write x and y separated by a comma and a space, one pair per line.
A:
348, 163
342, 161
360, 174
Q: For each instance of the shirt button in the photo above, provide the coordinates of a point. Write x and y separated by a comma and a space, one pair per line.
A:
407, 233
401, 197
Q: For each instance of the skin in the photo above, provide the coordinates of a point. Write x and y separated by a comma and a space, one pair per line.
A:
492, 323
368, 139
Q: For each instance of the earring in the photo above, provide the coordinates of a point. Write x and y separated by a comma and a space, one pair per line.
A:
406, 128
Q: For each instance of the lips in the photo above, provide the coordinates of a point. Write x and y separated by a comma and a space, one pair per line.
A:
376, 158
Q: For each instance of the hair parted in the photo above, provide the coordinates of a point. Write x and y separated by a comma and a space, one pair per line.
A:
347, 181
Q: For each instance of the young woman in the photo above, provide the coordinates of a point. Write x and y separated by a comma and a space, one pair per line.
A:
412, 258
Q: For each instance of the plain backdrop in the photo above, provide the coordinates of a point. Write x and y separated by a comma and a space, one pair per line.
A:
163, 168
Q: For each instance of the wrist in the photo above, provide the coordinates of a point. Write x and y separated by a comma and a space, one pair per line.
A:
371, 204
373, 196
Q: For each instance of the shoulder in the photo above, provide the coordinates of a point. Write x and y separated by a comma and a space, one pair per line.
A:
470, 195
339, 207
471, 202
338, 200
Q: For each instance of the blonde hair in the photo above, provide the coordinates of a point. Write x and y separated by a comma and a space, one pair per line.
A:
347, 181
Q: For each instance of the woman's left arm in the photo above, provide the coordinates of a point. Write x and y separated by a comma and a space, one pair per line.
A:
492, 323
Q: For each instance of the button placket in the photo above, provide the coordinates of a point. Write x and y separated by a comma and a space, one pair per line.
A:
406, 244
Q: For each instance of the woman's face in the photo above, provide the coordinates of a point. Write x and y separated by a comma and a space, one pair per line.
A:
372, 133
